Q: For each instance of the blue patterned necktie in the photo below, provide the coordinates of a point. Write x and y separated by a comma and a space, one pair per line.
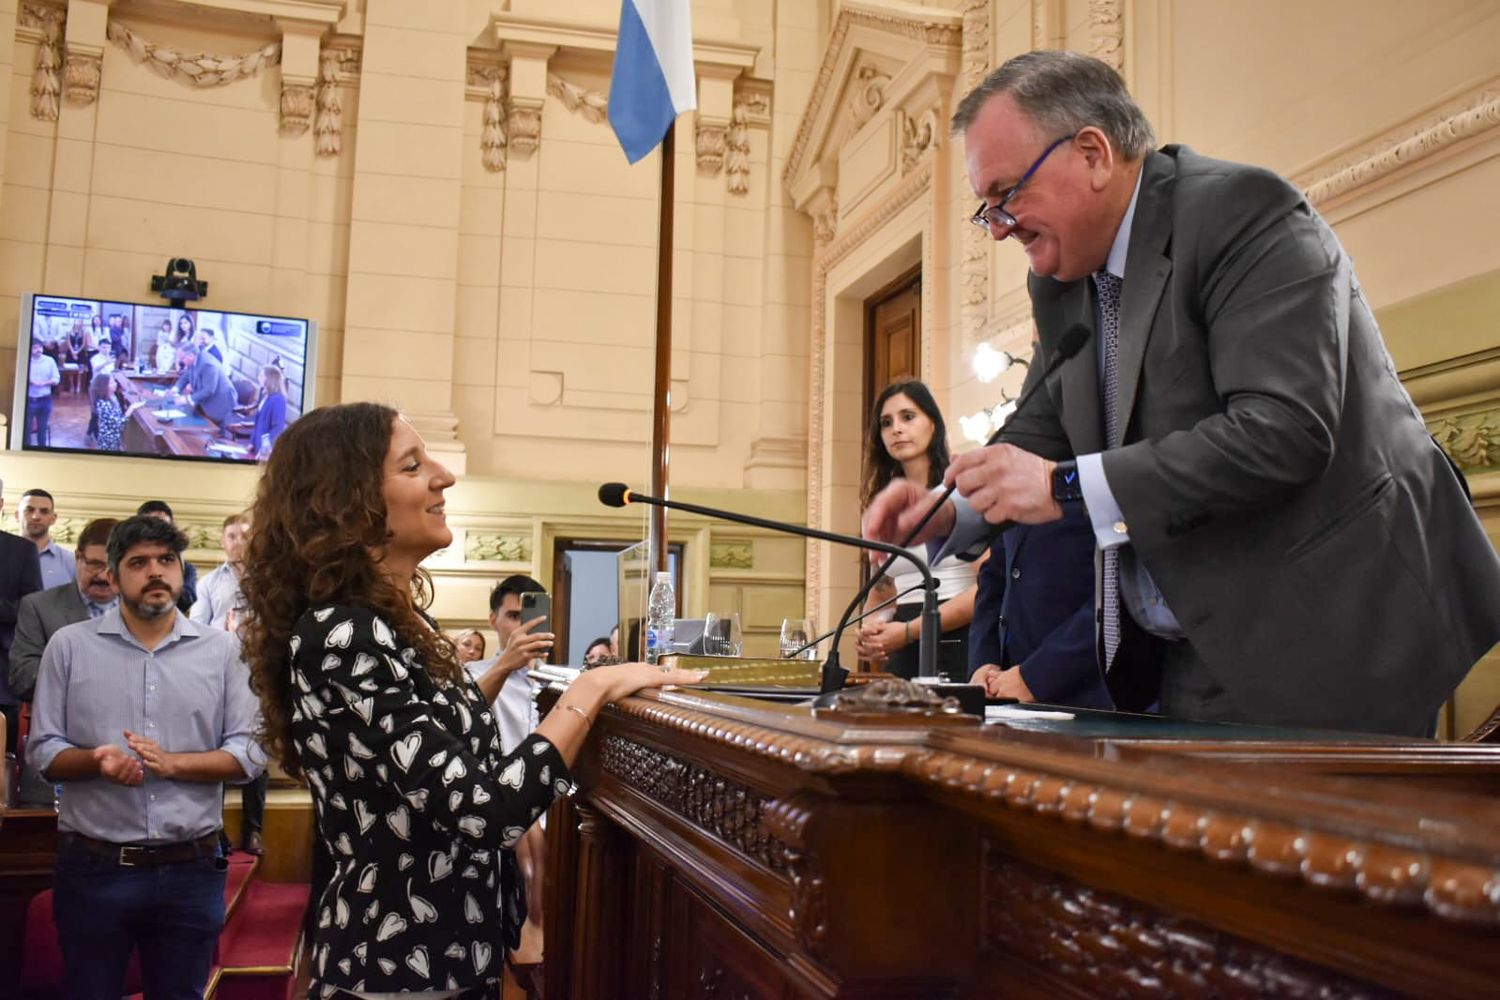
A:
1108, 287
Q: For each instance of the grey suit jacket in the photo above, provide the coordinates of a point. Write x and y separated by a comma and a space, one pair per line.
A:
1279, 484
41, 614
209, 387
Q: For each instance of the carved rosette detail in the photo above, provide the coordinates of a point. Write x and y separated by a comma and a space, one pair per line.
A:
868, 96
727, 809
1471, 440
201, 69
1476, 115
918, 135
297, 104
46, 78
486, 547
1113, 946
1107, 32
524, 126
711, 141
81, 74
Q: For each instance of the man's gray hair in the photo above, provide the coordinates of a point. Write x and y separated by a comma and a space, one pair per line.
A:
1063, 92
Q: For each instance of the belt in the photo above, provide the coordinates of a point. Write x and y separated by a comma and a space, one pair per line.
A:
140, 855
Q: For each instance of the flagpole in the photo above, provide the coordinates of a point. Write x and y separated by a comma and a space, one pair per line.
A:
661, 410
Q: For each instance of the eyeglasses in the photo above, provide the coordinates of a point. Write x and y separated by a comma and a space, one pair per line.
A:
93, 565
995, 216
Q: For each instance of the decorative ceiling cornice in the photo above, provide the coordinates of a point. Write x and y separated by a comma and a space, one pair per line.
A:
931, 27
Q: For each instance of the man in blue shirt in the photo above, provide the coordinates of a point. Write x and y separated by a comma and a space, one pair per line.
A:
142, 715
35, 517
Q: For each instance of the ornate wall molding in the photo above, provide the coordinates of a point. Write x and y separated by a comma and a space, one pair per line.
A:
826, 220
868, 96
731, 555
524, 127
201, 69
44, 24
710, 142
328, 130
1117, 947
724, 808
297, 104
1469, 116
1472, 440
974, 267
81, 75
482, 546
750, 108
493, 140
593, 105
918, 136
1107, 32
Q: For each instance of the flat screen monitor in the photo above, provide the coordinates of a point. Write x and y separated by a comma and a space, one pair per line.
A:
157, 380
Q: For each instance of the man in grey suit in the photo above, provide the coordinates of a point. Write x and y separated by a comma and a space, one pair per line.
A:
1281, 540
44, 612
208, 388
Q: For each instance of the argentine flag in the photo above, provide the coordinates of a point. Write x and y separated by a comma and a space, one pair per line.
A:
653, 78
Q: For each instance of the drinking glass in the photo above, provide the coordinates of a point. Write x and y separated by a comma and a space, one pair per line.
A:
722, 635
796, 633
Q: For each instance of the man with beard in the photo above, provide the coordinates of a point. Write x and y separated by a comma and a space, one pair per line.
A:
162, 511
142, 715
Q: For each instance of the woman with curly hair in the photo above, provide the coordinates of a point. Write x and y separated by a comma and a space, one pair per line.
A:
365, 698
908, 438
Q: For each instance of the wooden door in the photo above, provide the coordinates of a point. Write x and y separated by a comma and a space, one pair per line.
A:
893, 336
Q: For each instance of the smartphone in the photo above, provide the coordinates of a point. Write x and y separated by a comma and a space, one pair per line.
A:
536, 603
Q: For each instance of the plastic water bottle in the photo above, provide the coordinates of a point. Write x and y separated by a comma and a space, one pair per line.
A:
661, 610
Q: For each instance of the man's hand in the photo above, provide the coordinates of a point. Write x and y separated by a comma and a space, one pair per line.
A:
117, 765
1000, 683
525, 646
153, 757
1003, 483
897, 509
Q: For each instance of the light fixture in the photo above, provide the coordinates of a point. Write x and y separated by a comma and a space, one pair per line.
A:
989, 364
976, 426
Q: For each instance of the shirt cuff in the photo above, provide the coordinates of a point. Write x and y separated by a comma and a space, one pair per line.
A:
1110, 530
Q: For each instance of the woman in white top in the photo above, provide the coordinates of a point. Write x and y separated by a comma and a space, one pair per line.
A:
908, 438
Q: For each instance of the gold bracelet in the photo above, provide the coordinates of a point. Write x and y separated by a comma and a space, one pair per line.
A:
581, 714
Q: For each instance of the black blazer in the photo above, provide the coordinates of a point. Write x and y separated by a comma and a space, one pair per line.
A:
20, 574
1035, 608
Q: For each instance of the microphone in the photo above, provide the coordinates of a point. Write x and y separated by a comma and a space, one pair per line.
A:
1068, 345
618, 495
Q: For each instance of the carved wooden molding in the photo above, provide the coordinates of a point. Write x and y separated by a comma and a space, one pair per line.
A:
788, 822
44, 24
731, 555
1114, 946
1382, 872
1469, 116
724, 808
201, 69
493, 547
1107, 32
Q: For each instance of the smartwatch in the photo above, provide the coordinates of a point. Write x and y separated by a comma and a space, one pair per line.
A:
1066, 486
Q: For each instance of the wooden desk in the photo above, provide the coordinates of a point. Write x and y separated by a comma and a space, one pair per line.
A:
730, 848
144, 433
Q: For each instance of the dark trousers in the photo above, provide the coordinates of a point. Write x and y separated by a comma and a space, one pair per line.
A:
171, 913
39, 419
953, 650
253, 795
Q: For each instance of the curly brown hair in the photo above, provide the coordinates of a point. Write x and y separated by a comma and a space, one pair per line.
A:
317, 537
